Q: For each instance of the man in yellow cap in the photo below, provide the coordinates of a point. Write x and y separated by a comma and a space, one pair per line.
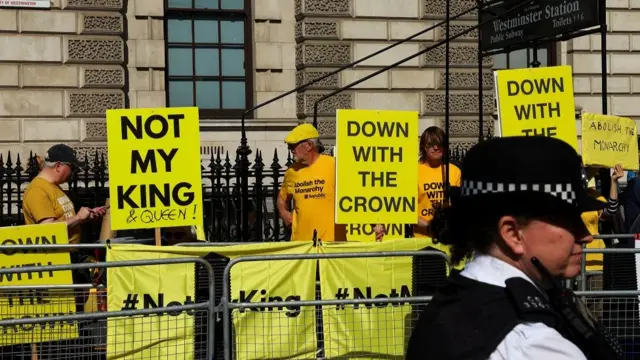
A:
310, 182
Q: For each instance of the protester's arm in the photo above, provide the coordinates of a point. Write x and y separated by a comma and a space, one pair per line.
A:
38, 204
83, 215
379, 230
283, 202
422, 223
612, 201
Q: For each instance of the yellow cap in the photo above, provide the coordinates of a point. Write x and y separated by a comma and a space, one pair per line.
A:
300, 133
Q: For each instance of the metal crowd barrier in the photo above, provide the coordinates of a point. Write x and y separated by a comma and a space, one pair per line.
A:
618, 310
229, 308
83, 334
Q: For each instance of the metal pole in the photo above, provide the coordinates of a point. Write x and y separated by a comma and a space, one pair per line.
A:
534, 62
480, 78
402, 61
603, 53
447, 47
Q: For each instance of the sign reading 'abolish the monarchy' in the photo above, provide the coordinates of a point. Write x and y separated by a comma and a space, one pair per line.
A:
539, 20
377, 172
537, 102
154, 168
609, 140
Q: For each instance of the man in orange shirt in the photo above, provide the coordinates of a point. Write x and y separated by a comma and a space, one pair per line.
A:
310, 182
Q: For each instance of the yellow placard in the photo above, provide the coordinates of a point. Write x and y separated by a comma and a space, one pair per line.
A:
35, 302
154, 168
537, 102
253, 329
366, 232
350, 330
158, 336
609, 140
377, 172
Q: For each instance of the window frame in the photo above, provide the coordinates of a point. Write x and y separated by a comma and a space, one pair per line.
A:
192, 14
552, 56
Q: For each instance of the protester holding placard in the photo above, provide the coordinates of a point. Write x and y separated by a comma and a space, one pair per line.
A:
310, 183
44, 200
592, 219
431, 175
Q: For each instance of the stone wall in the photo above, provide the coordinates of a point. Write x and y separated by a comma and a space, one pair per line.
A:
336, 32
623, 68
61, 69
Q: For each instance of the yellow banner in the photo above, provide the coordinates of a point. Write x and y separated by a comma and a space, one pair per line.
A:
167, 336
377, 172
350, 330
34, 303
537, 102
251, 282
609, 140
366, 232
154, 168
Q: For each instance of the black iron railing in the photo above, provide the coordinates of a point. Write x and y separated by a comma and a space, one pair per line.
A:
222, 195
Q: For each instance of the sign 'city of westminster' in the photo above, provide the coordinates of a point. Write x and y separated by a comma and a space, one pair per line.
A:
541, 19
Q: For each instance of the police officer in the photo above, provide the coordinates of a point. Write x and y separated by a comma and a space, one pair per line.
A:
520, 198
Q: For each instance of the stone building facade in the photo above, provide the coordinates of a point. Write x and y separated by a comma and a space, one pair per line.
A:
61, 68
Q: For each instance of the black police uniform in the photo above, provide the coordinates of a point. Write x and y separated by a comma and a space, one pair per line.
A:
469, 319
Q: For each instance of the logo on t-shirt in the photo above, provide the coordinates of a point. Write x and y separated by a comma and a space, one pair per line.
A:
311, 189
67, 206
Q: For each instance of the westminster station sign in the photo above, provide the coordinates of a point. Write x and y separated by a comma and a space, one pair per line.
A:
543, 18
36, 4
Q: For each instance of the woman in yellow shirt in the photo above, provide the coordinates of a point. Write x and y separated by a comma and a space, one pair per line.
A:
431, 175
431, 180
592, 219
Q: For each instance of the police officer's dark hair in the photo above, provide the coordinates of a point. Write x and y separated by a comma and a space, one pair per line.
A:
469, 234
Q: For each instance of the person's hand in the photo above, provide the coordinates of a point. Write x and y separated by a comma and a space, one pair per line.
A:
84, 214
287, 217
98, 212
618, 172
379, 229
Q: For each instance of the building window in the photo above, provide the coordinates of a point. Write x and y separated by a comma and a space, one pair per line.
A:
209, 56
524, 57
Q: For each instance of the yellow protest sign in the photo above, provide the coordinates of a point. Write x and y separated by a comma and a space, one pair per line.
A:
154, 168
251, 282
159, 336
377, 172
32, 303
366, 232
609, 140
348, 329
537, 102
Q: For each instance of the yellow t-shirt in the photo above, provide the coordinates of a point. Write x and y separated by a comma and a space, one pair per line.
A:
431, 191
313, 191
591, 220
43, 200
